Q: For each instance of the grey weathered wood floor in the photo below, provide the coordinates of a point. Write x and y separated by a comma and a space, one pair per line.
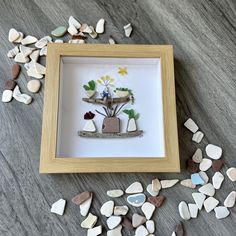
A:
203, 33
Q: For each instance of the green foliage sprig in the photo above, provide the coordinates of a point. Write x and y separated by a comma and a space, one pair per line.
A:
90, 86
131, 113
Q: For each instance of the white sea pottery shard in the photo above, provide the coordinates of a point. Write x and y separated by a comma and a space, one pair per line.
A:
198, 136
141, 231
113, 221
131, 125
34, 55
210, 204
207, 189
135, 187
74, 22
111, 40
29, 40
115, 193
26, 51
33, 73
199, 199
40, 69
100, 26
148, 209
19, 38
13, 35
107, 208
95, 231
191, 125
128, 30
58, 207
21, 97
205, 164
7, 95
197, 156
169, 183
193, 209
13, 52
20, 58
85, 206
184, 211
230, 199
43, 42
89, 126
150, 226
153, 193
72, 30
221, 212
29, 65
217, 180
213, 151
137, 220
89, 222
43, 51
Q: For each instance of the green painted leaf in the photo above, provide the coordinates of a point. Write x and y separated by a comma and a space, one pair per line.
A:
92, 85
86, 87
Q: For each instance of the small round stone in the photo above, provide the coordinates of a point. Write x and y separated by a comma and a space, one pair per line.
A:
33, 86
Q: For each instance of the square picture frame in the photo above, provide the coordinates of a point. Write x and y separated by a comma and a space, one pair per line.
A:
56, 157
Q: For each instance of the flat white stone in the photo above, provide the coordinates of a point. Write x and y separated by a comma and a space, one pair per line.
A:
7, 95
156, 185
26, 51
43, 42
89, 126
204, 176
74, 22
141, 231
210, 204
20, 58
193, 210
34, 56
33, 73
150, 226
58, 207
148, 209
188, 183
207, 189
111, 40
33, 85
197, 156
100, 26
221, 212
95, 231
13, 35
173, 234
198, 136
135, 187
217, 180
29, 40
72, 30
137, 220
231, 173
107, 208
85, 206
29, 65
230, 199
120, 210
85, 29
184, 211
191, 125
58, 41
169, 183
93, 34
76, 41
20, 97
13, 52
40, 69
43, 51
113, 221
128, 30
19, 39
149, 189
131, 125
89, 222
115, 193
213, 151
115, 232
199, 199
205, 164
136, 200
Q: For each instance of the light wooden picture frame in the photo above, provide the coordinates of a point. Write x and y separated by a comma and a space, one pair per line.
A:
51, 162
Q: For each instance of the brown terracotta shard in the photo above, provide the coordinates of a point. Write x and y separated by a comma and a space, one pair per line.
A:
111, 125
10, 84
126, 222
192, 167
157, 201
217, 165
15, 71
80, 198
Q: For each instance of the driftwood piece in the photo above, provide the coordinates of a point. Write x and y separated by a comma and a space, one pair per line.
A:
110, 135
107, 101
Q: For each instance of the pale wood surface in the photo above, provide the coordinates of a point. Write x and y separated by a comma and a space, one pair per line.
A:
203, 35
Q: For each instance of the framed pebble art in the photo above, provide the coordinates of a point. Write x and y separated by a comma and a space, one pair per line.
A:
109, 108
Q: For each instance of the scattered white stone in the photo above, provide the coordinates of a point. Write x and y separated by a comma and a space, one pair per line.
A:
184, 211
29, 40
13, 52
210, 204
100, 26
191, 125
13, 35
115, 232
135, 187
58, 41
7, 95
230, 199
113, 221
217, 180
26, 51
173, 234
205, 164
34, 56
137, 220
20, 58
221, 212
107, 208
72, 30
156, 185
85, 206
213, 151
111, 40
40, 69
197, 156
95, 231
149, 189
89, 222
19, 38
207, 189
231, 173
58, 207
150, 226
204, 176
169, 183
193, 210
115, 193
21, 97
120, 210
89, 126
141, 231
93, 34
33, 73
29, 65
199, 199
43, 51
188, 183
128, 30
76, 41
43, 42
74, 22
136, 200
33, 85
148, 209
198, 136
85, 29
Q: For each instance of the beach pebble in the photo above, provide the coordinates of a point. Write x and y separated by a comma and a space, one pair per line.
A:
80, 198
115, 232
184, 211
107, 208
197, 156
213, 151
33, 85
230, 199
128, 30
179, 229
34, 56
20, 58
217, 180
20, 97
15, 71
157, 201
197, 179
58, 207
13, 52
148, 209
193, 210
221, 212
138, 220
85, 206
40, 69
156, 185
210, 204
19, 39
43, 42
136, 200
231, 173
205, 164
89, 222
191, 125
169, 183
95, 231
93, 34
43, 51
74, 22
192, 167
135, 187
204, 176
33, 73
29, 40
111, 40
126, 222
10, 84
149, 189
29, 65
7, 95
85, 29
120, 210
188, 183
115, 193
26, 51
207, 189
199, 199
198, 136
113, 221
150, 226
100, 26
59, 31
141, 231
13, 35
217, 165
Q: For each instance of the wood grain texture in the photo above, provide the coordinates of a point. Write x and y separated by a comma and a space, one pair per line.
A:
204, 37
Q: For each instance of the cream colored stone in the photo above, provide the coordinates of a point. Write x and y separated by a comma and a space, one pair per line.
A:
20, 58
58, 207
100, 26
13, 35
33, 73
113, 221
89, 222
169, 183
148, 209
7, 95
128, 30
230, 199
29, 40
188, 183
33, 85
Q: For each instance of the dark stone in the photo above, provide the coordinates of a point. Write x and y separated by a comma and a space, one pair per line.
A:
80, 198
15, 71
217, 165
89, 115
179, 229
192, 167
10, 84
126, 222
157, 201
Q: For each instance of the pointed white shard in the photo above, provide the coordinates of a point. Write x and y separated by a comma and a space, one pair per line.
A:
148, 209
207, 189
40, 69
128, 30
89, 126
26, 51
58, 207
135, 187
217, 180
13, 52
29, 40
85, 206
193, 209
197, 156
230, 200
19, 38
191, 125
34, 55
72, 30
210, 204
199, 199
13, 35
169, 183
100, 26
141, 231
20, 58
74, 22
131, 125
